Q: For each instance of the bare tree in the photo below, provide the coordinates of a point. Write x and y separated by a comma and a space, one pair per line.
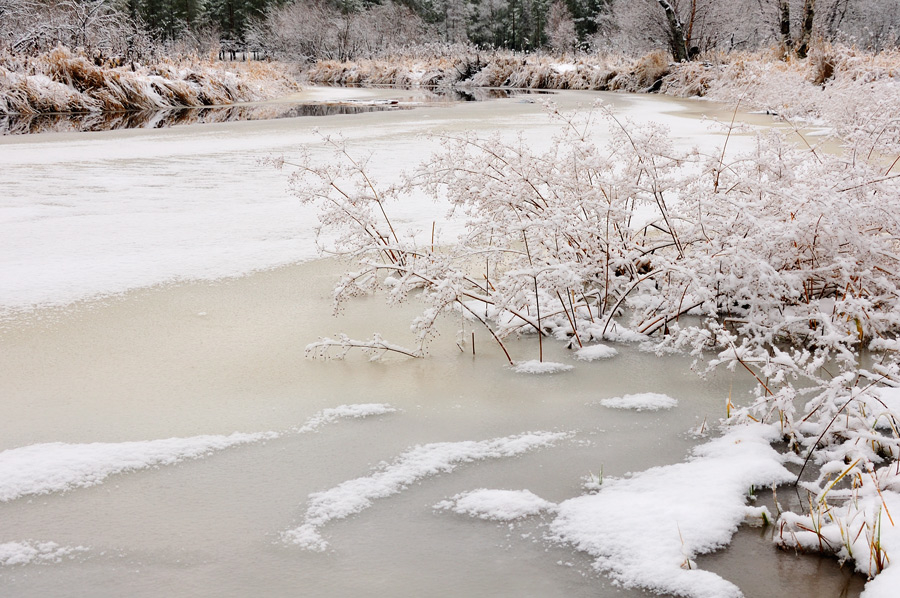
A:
676, 32
561, 28
806, 29
784, 20
32, 26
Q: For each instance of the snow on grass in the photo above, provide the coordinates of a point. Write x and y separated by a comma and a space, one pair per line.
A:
58, 466
496, 505
422, 461
860, 531
645, 530
645, 401
595, 352
540, 367
23, 553
333, 414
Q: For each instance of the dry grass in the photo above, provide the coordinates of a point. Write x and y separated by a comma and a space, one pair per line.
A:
63, 81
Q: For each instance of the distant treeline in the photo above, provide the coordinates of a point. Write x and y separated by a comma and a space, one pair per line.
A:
352, 29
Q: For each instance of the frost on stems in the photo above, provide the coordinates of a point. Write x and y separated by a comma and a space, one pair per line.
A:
781, 261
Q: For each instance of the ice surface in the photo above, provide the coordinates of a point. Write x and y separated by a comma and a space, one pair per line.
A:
645, 530
419, 462
646, 401
497, 505
86, 215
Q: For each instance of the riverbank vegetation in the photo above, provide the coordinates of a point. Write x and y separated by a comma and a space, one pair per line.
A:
685, 48
780, 262
61, 81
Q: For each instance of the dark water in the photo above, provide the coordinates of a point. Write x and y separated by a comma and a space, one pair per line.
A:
24, 124
29, 124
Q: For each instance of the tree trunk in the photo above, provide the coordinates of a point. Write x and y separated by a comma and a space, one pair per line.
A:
784, 9
676, 32
809, 9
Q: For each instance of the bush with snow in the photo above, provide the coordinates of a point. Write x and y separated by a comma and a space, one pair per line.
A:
782, 261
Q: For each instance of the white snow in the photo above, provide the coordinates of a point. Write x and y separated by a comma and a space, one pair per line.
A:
58, 466
645, 401
23, 553
422, 461
887, 404
540, 367
851, 531
595, 352
55, 466
645, 530
885, 583
496, 505
333, 414
94, 214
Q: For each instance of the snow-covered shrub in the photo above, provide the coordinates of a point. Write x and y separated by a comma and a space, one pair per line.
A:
782, 261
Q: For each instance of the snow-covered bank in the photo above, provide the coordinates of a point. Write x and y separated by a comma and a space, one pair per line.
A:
839, 86
61, 81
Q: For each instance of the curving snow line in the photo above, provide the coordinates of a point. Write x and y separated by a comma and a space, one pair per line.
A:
58, 466
419, 462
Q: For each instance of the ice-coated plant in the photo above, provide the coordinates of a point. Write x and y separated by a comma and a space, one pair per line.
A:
782, 261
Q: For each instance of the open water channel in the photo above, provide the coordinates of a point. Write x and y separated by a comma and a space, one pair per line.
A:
161, 284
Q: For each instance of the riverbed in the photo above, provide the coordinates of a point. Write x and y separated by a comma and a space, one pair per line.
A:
163, 284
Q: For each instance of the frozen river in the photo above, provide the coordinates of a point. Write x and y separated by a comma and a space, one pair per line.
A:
158, 288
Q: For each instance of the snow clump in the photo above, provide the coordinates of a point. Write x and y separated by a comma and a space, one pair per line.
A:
595, 352
496, 505
646, 401
23, 553
540, 367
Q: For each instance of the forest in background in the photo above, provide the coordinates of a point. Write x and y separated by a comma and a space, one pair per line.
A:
310, 30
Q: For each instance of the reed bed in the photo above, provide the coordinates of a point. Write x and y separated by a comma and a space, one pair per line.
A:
64, 81
838, 86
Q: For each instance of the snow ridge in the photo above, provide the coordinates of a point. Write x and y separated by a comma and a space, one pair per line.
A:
333, 414
421, 461
58, 466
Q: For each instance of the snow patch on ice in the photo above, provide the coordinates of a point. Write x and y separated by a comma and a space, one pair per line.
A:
333, 414
422, 461
644, 530
56, 466
23, 553
595, 352
496, 505
59, 466
646, 401
540, 367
